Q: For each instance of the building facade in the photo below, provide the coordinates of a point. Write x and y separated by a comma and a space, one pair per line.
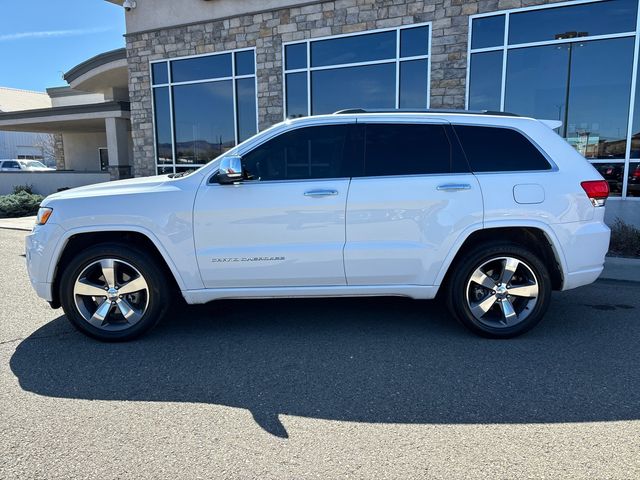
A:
206, 74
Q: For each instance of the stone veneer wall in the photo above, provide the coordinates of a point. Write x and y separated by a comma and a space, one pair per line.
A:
268, 30
58, 151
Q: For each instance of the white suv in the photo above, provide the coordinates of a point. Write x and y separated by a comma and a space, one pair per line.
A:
493, 211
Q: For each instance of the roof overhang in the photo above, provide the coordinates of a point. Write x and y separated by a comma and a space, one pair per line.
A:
101, 73
71, 118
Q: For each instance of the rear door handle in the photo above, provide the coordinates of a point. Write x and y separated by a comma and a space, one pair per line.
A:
453, 187
320, 193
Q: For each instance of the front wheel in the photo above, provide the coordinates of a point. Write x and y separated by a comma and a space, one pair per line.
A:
114, 292
499, 290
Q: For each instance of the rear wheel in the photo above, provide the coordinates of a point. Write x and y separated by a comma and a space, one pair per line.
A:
499, 290
114, 292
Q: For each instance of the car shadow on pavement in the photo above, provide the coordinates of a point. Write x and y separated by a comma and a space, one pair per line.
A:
362, 360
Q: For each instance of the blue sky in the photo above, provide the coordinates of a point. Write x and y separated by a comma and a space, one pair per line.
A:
40, 39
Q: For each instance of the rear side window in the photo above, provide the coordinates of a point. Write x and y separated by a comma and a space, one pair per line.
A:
406, 149
11, 164
305, 153
495, 149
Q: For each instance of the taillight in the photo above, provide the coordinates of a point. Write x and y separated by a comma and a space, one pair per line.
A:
597, 191
636, 172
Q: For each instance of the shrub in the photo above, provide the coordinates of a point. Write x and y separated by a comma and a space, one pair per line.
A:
23, 188
625, 239
21, 204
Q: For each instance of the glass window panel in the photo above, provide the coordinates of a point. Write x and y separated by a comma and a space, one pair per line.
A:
485, 78
203, 118
370, 86
487, 32
597, 18
296, 95
245, 63
201, 68
306, 153
159, 73
162, 117
295, 56
358, 48
613, 173
536, 83
165, 170
491, 149
635, 131
413, 84
414, 41
406, 150
600, 89
246, 94
633, 183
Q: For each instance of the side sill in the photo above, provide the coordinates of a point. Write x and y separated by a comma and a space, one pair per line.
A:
421, 292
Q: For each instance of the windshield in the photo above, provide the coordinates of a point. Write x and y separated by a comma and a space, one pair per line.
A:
32, 164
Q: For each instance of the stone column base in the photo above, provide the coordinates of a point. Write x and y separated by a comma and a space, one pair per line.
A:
120, 172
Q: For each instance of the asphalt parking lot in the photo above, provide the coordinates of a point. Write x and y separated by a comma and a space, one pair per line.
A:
354, 388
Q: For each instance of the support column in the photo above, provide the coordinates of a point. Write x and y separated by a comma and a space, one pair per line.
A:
118, 145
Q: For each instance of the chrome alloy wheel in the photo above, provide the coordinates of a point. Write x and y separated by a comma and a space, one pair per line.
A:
111, 294
502, 292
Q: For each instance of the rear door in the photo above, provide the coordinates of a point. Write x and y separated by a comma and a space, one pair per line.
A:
415, 199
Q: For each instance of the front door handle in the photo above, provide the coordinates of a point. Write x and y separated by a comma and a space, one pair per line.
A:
453, 187
320, 193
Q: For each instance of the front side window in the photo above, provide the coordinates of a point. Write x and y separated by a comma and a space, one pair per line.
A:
406, 149
203, 106
383, 69
495, 149
304, 153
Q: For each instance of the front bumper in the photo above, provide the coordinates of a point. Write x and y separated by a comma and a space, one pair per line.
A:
40, 248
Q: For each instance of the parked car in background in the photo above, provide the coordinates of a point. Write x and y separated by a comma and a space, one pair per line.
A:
492, 210
18, 165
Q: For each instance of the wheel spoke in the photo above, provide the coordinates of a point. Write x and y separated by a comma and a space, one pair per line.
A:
100, 315
479, 309
508, 312
84, 287
481, 279
108, 266
528, 291
127, 311
134, 285
509, 268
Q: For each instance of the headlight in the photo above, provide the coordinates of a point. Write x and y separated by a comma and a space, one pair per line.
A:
43, 215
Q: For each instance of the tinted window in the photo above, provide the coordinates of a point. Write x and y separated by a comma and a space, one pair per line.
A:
245, 64
369, 86
305, 153
295, 56
296, 94
485, 78
246, 107
10, 164
159, 73
406, 150
414, 41
487, 32
413, 84
164, 144
597, 18
200, 68
492, 149
358, 48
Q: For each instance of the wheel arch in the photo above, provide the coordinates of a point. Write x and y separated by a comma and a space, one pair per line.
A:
538, 238
76, 241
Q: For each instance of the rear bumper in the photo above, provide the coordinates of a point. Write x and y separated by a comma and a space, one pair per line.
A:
584, 246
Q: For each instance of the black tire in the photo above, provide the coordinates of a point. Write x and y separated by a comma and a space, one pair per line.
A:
156, 298
461, 291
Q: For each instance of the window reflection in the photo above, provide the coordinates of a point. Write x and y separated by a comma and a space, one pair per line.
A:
488, 32
413, 84
164, 145
414, 41
371, 86
353, 49
203, 115
201, 68
485, 78
633, 185
246, 108
596, 18
296, 94
613, 173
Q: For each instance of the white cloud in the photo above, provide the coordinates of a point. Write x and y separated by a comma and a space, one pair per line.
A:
52, 33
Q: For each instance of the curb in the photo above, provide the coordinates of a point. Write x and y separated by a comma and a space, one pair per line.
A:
621, 269
24, 224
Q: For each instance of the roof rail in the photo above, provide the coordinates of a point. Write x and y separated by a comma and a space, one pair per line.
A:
425, 110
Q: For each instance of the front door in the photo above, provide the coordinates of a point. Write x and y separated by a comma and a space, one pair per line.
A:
284, 224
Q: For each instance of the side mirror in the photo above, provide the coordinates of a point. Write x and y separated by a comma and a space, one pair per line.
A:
230, 170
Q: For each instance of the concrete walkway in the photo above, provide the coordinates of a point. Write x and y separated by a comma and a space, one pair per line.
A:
22, 223
615, 268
